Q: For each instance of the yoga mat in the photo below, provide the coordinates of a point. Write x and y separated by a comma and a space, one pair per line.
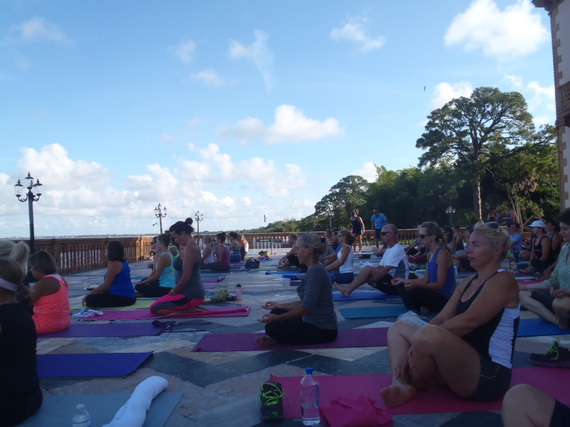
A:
366, 337
538, 327
373, 312
433, 400
122, 329
529, 282
211, 285
281, 271
140, 303
89, 365
213, 279
58, 408
231, 311
210, 275
337, 296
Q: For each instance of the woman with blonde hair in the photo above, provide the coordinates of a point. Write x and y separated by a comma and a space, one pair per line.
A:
19, 252
468, 347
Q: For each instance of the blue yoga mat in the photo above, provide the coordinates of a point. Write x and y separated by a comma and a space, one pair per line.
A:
372, 312
57, 408
89, 365
281, 271
337, 296
538, 327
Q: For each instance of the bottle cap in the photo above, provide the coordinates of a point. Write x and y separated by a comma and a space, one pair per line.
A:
309, 371
238, 286
80, 407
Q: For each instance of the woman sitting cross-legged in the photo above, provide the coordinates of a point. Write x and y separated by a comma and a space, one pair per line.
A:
221, 261
312, 318
431, 292
49, 295
468, 346
117, 289
161, 280
341, 270
188, 294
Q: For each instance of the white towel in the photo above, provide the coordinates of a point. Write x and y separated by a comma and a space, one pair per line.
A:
133, 412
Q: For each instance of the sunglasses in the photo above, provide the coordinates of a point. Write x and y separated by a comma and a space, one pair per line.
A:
385, 232
421, 236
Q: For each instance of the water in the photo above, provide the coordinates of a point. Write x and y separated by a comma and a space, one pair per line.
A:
310, 414
310, 399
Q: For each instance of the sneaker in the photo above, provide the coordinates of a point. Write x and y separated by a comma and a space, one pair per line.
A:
271, 401
555, 357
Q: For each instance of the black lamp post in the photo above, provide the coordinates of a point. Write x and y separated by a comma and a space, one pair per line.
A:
199, 218
160, 212
450, 210
32, 195
330, 214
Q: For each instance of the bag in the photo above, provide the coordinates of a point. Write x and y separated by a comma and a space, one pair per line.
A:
251, 263
219, 295
360, 412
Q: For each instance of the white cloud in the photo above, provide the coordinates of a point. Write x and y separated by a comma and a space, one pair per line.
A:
368, 172
516, 81
502, 34
289, 125
539, 99
38, 29
445, 92
209, 77
259, 53
354, 30
184, 51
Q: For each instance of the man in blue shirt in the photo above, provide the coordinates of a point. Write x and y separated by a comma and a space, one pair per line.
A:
516, 240
378, 220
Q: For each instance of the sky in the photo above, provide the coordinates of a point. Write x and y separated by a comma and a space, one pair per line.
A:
247, 111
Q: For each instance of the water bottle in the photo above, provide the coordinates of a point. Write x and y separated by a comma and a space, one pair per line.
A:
81, 418
310, 399
238, 292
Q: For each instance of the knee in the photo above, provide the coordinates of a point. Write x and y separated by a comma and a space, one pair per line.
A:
516, 397
428, 337
561, 304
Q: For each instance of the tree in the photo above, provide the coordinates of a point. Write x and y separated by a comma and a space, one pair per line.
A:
466, 130
347, 194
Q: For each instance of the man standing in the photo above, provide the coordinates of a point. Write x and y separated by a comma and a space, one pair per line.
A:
394, 264
378, 220
516, 240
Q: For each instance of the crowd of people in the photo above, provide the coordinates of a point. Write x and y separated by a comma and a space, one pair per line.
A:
467, 346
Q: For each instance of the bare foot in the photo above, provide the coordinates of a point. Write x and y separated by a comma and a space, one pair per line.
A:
342, 289
396, 394
265, 341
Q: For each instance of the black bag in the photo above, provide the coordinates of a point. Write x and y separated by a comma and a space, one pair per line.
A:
251, 263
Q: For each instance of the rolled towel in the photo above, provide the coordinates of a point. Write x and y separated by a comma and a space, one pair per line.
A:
133, 412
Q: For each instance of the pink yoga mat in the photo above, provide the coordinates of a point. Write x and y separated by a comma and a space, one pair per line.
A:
367, 337
435, 400
234, 311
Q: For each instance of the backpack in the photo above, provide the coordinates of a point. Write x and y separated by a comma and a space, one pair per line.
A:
251, 263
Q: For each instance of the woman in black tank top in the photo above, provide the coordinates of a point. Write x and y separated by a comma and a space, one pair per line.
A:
455, 348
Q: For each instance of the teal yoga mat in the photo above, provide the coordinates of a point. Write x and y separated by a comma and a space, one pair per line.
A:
372, 312
89, 365
337, 296
538, 327
57, 409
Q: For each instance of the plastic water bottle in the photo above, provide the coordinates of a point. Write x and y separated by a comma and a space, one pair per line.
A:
310, 399
81, 418
238, 292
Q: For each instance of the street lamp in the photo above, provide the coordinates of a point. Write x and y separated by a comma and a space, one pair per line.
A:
198, 217
450, 210
32, 195
160, 212
330, 212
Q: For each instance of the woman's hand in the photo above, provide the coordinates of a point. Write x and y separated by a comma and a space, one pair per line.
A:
268, 318
410, 285
270, 305
558, 293
173, 292
398, 281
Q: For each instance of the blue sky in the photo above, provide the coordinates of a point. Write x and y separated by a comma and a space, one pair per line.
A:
238, 109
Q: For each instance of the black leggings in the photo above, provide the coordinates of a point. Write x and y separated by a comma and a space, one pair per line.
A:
417, 298
107, 299
151, 290
15, 409
295, 331
216, 267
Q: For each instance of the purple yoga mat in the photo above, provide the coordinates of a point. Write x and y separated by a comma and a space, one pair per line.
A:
367, 337
433, 400
89, 365
233, 311
210, 285
213, 279
122, 329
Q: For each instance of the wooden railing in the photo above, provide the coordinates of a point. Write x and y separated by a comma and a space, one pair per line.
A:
76, 254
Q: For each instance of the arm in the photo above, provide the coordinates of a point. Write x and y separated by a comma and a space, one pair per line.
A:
207, 252
335, 265
43, 287
499, 292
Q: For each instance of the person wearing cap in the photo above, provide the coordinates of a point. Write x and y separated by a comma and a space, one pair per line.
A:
540, 249
20, 392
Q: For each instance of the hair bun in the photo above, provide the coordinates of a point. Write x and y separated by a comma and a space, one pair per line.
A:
189, 221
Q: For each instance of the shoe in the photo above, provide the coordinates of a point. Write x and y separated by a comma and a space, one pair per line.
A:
555, 357
271, 401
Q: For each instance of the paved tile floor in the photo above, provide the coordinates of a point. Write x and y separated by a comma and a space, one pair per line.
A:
220, 388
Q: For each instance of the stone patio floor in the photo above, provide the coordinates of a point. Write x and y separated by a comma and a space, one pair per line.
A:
221, 388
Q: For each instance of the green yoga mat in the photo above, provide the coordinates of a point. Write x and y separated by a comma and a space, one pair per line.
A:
372, 312
57, 409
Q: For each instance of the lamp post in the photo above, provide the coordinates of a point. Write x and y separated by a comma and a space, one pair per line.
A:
330, 212
32, 195
160, 212
199, 218
450, 210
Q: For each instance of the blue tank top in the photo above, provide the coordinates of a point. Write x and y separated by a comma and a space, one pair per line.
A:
449, 281
166, 278
122, 284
